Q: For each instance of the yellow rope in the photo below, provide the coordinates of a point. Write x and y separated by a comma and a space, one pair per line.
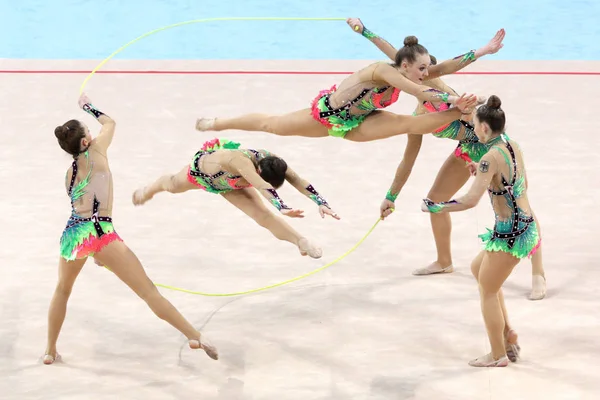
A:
195, 21
276, 284
120, 49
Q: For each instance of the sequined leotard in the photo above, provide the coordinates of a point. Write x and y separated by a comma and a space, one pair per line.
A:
515, 231
90, 190
221, 182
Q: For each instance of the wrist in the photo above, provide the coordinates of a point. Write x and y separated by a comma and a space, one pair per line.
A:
93, 111
471, 56
368, 34
391, 196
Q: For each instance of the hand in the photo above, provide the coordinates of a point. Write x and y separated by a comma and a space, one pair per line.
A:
288, 212
466, 104
323, 209
472, 166
83, 100
495, 44
356, 25
386, 209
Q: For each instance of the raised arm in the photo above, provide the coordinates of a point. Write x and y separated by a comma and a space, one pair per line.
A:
383, 45
459, 62
307, 189
488, 167
389, 74
104, 138
413, 146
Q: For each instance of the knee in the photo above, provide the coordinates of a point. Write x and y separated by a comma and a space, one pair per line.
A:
263, 217
169, 183
64, 289
436, 195
268, 124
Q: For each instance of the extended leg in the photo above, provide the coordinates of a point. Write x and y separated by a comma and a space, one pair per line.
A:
176, 183
383, 124
250, 202
451, 177
125, 264
298, 123
67, 274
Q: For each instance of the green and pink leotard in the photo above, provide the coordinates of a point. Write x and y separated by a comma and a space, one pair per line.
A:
85, 236
339, 121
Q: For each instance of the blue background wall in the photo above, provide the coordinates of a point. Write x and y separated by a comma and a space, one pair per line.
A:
84, 29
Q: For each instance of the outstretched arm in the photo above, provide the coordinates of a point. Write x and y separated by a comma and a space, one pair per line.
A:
459, 62
307, 189
488, 166
382, 44
392, 76
413, 146
431, 122
104, 138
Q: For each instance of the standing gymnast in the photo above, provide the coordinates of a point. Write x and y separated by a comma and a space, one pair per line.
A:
515, 235
90, 231
221, 167
453, 173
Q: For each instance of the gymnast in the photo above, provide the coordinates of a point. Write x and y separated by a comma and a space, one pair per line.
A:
453, 173
501, 171
354, 109
90, 231
239, 175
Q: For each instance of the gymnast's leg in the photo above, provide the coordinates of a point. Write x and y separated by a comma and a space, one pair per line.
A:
174, 183
298, 123
451, 177
67, 274
127, 267
384, 124
250, 202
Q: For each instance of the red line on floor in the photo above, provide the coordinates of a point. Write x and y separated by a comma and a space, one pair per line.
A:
167, 72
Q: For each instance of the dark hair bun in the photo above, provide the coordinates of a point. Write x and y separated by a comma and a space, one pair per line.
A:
411, 41
494, 102
60, 132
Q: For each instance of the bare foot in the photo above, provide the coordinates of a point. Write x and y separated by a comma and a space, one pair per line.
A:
307, 248
50, 359
205, 124
209, 349
139, 197
434, 268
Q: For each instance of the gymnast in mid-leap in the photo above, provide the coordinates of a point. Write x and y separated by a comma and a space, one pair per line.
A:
354, 109
239, 175
453, 174
90, 231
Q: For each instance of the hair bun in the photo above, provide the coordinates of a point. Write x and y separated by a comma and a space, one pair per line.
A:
60, 132
411, 41
494, 102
